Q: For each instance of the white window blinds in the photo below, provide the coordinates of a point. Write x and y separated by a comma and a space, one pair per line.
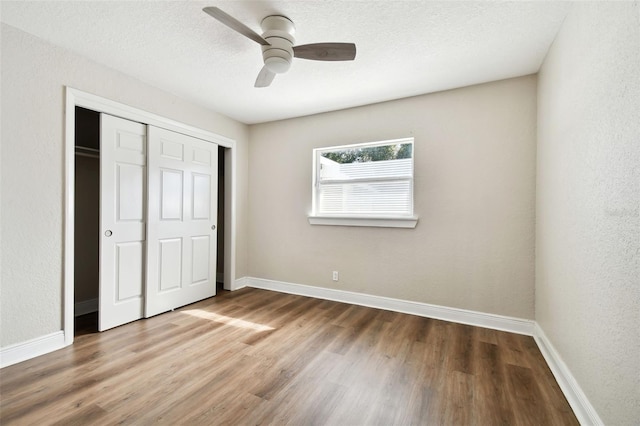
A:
366, 180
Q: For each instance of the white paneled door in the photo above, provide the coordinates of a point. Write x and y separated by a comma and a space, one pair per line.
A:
182, 216
123, 158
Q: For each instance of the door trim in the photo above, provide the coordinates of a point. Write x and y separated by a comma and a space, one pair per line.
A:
75, 97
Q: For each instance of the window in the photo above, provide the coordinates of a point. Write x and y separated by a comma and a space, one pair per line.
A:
368, 184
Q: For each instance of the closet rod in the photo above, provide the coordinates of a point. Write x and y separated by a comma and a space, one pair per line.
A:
87, 152
87, 149
84, 154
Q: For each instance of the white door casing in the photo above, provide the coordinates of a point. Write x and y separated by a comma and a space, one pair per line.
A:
182, 216
123, 159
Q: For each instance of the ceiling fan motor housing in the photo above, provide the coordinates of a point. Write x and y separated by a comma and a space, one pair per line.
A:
278, 31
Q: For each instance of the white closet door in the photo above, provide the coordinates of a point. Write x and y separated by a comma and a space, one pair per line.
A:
123, 156
182, 216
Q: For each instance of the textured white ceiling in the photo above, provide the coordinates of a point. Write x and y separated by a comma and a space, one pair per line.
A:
404, 48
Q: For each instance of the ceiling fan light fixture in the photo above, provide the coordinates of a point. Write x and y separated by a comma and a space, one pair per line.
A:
277, 65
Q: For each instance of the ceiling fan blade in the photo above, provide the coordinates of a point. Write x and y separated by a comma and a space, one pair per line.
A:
234, 24
265, 77
326, 51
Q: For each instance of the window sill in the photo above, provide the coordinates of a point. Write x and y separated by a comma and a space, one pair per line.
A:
380, 222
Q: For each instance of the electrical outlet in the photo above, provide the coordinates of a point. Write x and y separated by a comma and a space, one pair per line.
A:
335, 275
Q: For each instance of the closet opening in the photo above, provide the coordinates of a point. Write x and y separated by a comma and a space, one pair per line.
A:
221, 222
86, 220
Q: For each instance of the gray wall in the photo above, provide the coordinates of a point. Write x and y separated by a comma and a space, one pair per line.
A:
588, 204
34, 74
473, 247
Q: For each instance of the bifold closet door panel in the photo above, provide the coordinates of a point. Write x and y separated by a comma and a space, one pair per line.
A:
182, 216
123, 175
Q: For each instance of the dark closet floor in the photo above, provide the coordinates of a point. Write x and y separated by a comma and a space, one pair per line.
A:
86, 324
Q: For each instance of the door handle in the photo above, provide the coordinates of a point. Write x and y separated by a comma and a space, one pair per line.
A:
108, 233
213, 227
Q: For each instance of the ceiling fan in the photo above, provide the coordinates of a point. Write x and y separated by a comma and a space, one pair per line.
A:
277, 44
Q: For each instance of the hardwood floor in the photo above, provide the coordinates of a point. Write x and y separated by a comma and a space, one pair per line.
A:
258, 357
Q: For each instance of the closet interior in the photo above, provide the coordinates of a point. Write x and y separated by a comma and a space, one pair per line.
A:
87, 219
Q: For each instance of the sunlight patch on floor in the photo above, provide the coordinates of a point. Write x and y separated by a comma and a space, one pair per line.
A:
235, 322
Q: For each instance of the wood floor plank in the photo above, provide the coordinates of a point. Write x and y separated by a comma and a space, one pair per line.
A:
463, 348
256, 357
490, 392
456, 407
87, 415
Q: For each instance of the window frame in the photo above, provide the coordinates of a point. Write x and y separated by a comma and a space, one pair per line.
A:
363, 219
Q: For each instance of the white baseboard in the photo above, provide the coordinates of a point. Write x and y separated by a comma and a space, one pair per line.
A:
86, 307
578, 401
240, 283
463, 316
31, 348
